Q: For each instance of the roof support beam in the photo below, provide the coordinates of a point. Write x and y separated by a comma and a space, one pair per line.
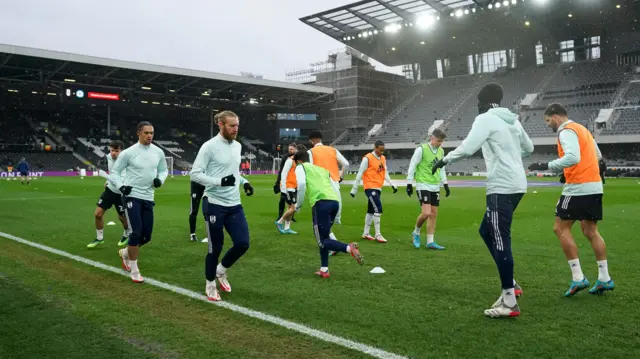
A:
111, 72
58, 69
437, 5
187, 84
345, 28
377, 23
326, 30
404, 14
6, 59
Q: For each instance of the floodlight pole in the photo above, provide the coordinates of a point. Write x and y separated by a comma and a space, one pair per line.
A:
109, 121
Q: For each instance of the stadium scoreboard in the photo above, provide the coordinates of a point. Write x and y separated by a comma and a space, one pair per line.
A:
85, 94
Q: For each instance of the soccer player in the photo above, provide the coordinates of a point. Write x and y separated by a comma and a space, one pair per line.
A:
373, 173
23, 168
330, 159
197, 190
276, 186
217, 168
288, 192
428, 186
111, 196
504, 142
146, 169
581, 198
324, 206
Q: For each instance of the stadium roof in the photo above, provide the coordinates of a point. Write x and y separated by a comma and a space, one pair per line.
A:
398, 32
52, 68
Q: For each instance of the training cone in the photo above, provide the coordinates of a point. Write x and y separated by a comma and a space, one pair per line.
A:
112, 223
377, 270
535, 191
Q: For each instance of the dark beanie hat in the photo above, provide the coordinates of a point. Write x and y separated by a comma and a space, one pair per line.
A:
490, 93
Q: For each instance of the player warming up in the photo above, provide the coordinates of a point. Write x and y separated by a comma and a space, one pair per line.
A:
217, 168
581, 198
197, 190
24, 167
504, 142
110, 197
276, 186
288, 193
428, 186
138, 171
373, 173
315, 181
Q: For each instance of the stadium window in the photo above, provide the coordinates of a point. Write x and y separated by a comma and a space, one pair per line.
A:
539, 57
567, 56
439, 69
512, 55
470, 64
595, 51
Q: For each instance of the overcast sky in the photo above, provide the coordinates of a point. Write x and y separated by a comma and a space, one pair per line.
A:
259, 36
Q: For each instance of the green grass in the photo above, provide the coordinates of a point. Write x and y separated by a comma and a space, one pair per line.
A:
428, 304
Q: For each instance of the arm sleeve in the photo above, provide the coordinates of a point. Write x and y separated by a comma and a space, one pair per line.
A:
163, 172
415, 160
443, 175
115, 176
477, 136
363, 167
310, 156
301, 178
526, 145
285, 169
243, 180
197, 173
282, 162
386, 176
343, 162
571, 146
598, 153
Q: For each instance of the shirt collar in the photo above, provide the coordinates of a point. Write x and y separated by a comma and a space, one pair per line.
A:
374, 154
318, 144
564, 125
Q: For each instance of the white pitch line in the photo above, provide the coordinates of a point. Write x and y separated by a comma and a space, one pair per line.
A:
318, 334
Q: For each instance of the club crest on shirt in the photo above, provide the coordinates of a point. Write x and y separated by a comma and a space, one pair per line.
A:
380, 168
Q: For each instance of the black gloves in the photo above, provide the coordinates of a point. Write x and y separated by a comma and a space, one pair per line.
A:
125, 190
341, 179
563, 179
539, 166
228, 181
156, 182
437, 166
276, 188
248, 190
447, 190
395, 189
409, 189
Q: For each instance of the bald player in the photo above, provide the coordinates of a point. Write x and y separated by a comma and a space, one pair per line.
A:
581, 198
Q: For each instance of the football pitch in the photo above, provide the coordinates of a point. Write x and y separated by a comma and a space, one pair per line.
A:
428, 304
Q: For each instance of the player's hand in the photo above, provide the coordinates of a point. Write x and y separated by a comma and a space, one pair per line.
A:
125, 190
298, 208
438, 166
563, 179
538, 166
248, 190
409, 189
447, 191
276, 188
156, 182
341, 179
353, 192
228, 181
395, 189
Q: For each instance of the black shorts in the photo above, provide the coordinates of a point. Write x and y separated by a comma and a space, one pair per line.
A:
108, 198
24, 174
290, 197
374, 204
428, 197
579, 208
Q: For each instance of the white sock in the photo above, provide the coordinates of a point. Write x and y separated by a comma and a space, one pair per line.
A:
332, 236
430, 238
287, 225
348, 249
576, 271
324, 269
603, 271
376, 223
367, 223
417, 230
125, 233
509, 297
221, 270
281, 220
134, 266
129, 231
100, 234
514, 282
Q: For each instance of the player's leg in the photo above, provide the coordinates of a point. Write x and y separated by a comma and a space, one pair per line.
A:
147, 221
129, 255
283, 224
592, 214
565, 218
214, 217
98, 216
125, 226
368, 218
376, 203
193, 215
281, 206
236, 225
500, 216
425, 212
323, 214
431, 221
336, 187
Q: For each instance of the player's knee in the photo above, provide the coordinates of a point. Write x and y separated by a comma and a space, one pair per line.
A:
98, 213
590, 230
558, 229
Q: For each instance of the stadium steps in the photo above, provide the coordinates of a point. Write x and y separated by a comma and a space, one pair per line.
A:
619, 97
